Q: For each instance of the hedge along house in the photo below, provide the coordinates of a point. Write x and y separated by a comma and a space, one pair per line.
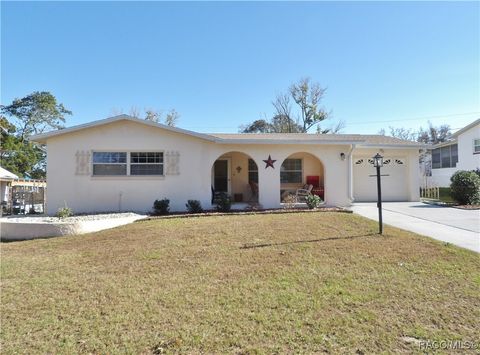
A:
124, 164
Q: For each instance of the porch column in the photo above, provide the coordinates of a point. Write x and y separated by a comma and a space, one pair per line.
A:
269, 185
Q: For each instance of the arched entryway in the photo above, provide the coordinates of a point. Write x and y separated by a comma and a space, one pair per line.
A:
301, 174
236, 175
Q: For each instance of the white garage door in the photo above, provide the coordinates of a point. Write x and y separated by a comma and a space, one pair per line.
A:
394, 186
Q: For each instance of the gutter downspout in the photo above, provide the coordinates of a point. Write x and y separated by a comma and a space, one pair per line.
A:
350, 174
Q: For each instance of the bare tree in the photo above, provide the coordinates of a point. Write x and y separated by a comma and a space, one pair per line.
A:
134, 112
283, 113
434, 135
401, 133
337, 128
172, 117
296, 111
308, 96
152, 115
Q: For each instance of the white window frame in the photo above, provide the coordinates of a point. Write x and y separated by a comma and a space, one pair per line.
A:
128, 163
476, 145
301, 170
110, 151
149, 151
451, 164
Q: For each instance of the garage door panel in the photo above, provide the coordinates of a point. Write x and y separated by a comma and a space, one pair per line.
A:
394, 186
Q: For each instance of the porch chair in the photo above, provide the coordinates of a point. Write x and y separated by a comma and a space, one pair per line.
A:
303, 192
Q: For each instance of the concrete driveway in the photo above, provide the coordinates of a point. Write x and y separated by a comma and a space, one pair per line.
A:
452, 225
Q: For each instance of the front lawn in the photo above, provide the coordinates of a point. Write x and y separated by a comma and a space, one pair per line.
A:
296, 283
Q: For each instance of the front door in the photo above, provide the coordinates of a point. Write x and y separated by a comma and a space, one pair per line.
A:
221, 175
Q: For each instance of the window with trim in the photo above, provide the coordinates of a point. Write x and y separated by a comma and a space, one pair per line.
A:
291, 171
476, 146
252, 171
123, 163
146, 163
445, 157
109, 163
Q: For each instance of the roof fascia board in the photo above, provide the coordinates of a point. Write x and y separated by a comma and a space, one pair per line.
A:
44, 136
283, 142
444, 144
466, 128
395, 146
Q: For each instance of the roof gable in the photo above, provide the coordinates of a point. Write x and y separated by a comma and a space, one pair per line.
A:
43, 137
466, 128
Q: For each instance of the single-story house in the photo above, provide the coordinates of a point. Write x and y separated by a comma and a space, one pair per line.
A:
6, 178
19, 195
461, 152
123, 164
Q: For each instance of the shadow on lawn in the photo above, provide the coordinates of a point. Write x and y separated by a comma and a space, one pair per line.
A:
252, 246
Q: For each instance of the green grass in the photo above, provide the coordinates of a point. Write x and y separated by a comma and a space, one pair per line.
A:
445, 195
291, 283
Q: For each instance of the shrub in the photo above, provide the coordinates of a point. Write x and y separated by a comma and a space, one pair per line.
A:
194, 206
161, 207
224, 203
313, 201
64, 212
465, 187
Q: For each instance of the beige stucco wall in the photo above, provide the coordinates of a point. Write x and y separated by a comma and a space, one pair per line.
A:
86, 193
402, 182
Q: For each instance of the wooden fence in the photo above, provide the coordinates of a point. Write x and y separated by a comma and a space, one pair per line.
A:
432, 193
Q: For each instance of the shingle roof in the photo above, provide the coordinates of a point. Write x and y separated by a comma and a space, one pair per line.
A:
249, 138
364, 139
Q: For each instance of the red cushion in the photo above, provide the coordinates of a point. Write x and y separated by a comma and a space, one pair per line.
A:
313, 180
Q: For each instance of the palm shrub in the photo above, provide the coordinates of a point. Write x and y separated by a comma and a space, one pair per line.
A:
194, 206
313, 201
465, 187
64, 212
161, 207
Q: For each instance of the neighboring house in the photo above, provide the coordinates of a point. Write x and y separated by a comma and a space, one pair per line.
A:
462, 152
124, 164
6, 178
20, 195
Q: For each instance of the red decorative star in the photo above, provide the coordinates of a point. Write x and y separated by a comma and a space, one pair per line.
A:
269, 162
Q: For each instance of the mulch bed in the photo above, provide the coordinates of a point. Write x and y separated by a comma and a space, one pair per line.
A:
245, 213
467, 207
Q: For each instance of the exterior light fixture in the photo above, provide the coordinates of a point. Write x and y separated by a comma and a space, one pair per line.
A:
239, 169
378, 163
342, 156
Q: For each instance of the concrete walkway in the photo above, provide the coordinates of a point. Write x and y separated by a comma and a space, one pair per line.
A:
452, 225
